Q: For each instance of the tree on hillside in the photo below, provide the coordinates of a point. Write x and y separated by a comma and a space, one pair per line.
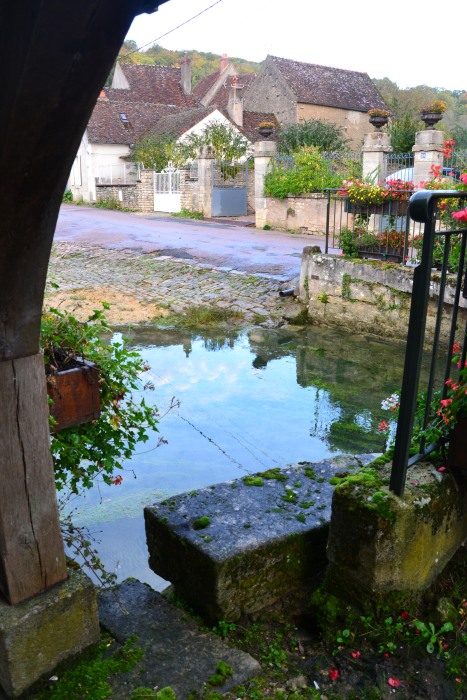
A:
320, 133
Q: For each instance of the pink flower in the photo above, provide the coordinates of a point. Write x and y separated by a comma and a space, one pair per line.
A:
445, 402
355, 654
460, 215
463, 178
441, 469
394, 682
333, 674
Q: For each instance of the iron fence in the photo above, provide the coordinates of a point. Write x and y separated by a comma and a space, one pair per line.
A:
425, 210
398, 166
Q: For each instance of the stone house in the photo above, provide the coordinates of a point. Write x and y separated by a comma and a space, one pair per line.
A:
138, 98
295, 92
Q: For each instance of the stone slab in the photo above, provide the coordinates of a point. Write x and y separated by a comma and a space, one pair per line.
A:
39, 633
263, 541
176, 652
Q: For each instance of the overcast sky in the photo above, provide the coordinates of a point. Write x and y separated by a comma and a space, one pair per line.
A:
391, 39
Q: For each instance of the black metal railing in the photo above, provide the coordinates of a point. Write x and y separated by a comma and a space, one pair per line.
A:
373, 231
425, 208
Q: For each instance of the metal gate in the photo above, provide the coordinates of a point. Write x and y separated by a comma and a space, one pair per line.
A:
229, 189
167, 190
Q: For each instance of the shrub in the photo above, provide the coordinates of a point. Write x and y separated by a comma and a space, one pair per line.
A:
319, 133
310, 174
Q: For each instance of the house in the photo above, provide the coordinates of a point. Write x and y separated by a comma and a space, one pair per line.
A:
138, 98
295, 92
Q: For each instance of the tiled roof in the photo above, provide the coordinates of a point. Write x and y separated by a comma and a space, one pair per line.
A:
106, 125
152, 84
205, 84
177, 124
330, 87
221, 98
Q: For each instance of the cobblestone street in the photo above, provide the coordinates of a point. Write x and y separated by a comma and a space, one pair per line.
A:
143, 287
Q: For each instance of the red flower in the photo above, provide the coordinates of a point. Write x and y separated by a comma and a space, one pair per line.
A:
333, 674
383, 426
460, 215
404, 615
441, 469
394, 682
117, 480
445, 402
355, 654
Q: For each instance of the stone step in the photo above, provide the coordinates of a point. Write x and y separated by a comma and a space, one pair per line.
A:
240, 546
176, 652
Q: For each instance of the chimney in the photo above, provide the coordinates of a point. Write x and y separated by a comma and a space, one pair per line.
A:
224, 62
185, 75
235, 103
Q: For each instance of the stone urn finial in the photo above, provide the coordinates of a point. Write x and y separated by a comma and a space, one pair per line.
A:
379, 117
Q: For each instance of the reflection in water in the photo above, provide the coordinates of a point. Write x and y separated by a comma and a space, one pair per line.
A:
248, 402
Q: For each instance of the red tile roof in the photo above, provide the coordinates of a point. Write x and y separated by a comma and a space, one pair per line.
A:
152, 84
330, 87
106, 125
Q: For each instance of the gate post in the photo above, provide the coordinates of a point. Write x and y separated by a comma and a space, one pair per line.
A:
205, 159
428, 152
264, 153
376, 145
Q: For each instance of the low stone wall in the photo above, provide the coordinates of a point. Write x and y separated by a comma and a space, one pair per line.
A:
305, 213
368, 297
126, 195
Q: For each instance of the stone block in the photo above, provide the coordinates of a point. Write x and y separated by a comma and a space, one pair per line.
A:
380, 543
39, 633
238, 547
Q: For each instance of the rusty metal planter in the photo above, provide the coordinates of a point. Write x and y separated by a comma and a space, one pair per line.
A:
75, 394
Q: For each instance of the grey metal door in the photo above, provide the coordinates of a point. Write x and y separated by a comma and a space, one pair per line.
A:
229, 189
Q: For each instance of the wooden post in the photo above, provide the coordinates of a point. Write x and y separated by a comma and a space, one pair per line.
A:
31, 550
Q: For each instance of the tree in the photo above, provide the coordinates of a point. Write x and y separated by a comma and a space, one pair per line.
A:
402, 133
154, 151
225, 140
325, 135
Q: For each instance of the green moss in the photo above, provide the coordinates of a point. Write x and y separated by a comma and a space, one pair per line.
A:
274, 473
88, 679
253, 480
309, 472
167, 693
201, 523
301, 518
142, 692
223, 671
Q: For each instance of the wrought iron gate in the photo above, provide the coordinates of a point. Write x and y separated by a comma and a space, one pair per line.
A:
167, 190
229, 189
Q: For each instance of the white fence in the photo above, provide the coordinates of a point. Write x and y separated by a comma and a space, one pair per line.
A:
124, 174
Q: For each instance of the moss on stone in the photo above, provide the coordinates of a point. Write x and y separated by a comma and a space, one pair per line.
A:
201, 523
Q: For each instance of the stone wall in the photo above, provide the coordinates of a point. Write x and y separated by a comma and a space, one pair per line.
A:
125, 195
368, 297
304, 213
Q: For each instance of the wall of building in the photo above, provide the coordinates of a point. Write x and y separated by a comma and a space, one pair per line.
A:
354, 124
271, 95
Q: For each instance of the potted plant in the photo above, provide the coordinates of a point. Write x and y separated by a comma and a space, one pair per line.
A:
265, 128
72, 380
368, 198
379, 117
433, 113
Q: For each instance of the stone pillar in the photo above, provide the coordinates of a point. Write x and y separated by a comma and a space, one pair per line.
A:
205, 159
264, 153
428, 152
375, 146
